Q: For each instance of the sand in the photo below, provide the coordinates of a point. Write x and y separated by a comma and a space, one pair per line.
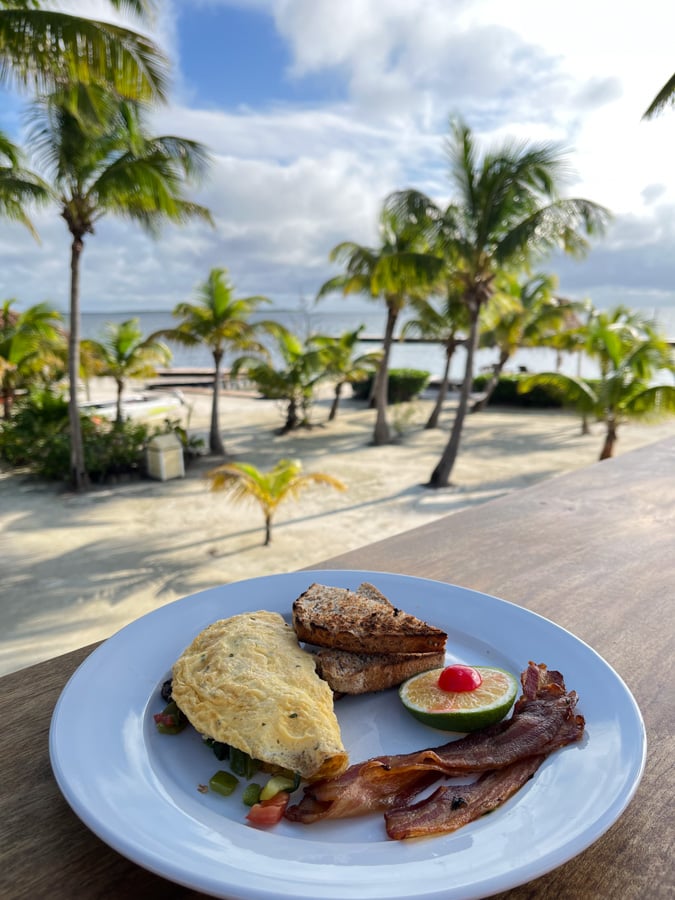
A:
78, 567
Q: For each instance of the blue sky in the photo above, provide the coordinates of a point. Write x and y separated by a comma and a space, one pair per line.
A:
315, 110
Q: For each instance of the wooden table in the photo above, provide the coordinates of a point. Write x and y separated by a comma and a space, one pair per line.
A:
593, 550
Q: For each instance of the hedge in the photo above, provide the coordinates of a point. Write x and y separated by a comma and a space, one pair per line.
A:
506, 393
404, 385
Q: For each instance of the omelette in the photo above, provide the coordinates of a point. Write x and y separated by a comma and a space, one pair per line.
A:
245, 681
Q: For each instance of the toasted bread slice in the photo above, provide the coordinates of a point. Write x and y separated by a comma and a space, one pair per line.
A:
346, 620
366, 589
361, 673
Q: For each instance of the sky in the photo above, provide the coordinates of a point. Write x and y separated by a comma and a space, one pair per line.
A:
315, 110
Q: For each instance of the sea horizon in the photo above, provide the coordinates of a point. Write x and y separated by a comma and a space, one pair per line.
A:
414, 354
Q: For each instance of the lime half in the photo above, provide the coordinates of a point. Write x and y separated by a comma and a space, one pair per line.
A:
460, 710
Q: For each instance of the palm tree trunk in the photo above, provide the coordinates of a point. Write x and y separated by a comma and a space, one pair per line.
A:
440, 477
78, 473
432, 421
6, 402
215, 438
610, 439
382, 433
268, 529
336, 401
492, 383
118, 405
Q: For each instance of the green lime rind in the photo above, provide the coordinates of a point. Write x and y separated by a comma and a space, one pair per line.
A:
463, 720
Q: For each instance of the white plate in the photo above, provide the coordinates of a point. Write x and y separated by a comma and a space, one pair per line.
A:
137, 789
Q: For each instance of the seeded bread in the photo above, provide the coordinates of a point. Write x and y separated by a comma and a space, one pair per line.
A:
361, 673
341, 619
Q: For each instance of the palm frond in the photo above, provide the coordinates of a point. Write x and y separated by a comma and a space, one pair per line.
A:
573, 390
43, 49
656, 401
664, 98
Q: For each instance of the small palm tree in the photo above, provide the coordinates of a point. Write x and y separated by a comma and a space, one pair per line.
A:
343, 363
219, 321
123, 354
29, 341
244, 482
629, 352
446, 322
293, 379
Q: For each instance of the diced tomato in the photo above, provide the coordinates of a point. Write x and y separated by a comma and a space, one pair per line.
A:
165, 719
269, 812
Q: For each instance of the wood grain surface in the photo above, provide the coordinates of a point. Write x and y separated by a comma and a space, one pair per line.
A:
594, 551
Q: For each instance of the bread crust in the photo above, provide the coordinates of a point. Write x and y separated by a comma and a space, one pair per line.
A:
341, 619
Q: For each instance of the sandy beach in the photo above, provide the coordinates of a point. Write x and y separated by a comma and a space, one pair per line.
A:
77, 567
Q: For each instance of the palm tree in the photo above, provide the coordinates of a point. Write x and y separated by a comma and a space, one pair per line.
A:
293, 379
243, 481
123, 354
507, 213
219, 321
399, 268
344, 364
629, 352
29, 341
19, 187
446, 323
533, 319
44, 50
117, 169
664, 98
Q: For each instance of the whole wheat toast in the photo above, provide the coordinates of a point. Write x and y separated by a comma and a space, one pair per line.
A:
361, 673
360, 622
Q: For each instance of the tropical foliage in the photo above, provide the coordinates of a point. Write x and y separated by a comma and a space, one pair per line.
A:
220, 321
19, 187
293, 379
507, 214
399, 268
445, 321
124, 353
46, 50
629, 353
119, 169
37, 437
344, 363
285, 481
534, 317
32, 348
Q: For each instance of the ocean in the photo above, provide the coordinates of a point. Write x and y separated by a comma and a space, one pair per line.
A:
303, 322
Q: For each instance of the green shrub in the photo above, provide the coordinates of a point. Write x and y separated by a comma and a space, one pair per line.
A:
404, 385
37, 436
506, 393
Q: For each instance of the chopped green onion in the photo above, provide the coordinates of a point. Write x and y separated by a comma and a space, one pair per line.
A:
242, 764
223, 783
251, 794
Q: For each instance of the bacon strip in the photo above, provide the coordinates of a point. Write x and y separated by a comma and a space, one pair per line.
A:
542, 721
452, 806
